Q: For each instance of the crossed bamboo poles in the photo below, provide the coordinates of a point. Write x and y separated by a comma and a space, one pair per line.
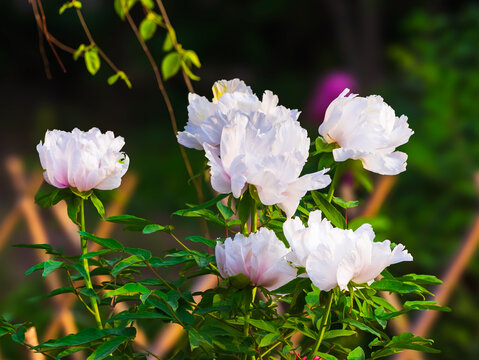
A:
169, 336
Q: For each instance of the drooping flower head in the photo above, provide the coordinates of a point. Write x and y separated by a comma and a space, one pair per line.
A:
259, 256
334, 257
83, 160
248, 141
368, 129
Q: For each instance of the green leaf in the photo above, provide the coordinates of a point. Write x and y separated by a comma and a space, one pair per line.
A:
149, 4
119, 75
357, 354
201, 239
268, 339
193, 58
196, 339
36, 267
123, 5
170, 65
393, 285
326, 356
322, 146
421, 279
85, 336
98, 205
239, 281
92, 60
425, 305
75, 3
78, 267
70, 351
345, 204
19, 335
78, 52
50, 266
263, 325
225, 211
96, 253
50, 196
62, 290
73, 208
47, 247
105, 242
188, 72
206, 204
245, 206
123, 264
331, 334
145, 254
133, 223
151, 228
147, 28
331, 213
361, 326
129, 289
167, 44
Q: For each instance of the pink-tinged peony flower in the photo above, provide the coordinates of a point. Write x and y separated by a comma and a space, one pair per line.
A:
206, 119
248, 141
366, 129
334, 257
328, 89
259, 256
83, 160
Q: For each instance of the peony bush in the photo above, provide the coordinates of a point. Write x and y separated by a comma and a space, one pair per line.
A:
295, 278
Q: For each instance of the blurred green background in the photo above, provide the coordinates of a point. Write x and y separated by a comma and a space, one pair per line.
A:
422, 57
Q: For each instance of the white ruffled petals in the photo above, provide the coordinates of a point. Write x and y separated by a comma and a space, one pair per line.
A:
368, 129
334, 257
259, 256
83, 160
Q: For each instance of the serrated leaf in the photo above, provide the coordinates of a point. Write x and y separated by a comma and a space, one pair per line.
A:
92, 60
170, 65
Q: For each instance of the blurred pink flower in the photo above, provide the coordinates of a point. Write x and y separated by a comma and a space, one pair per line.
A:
327, 89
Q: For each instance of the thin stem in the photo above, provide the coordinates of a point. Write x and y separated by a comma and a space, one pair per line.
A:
164, 94
84, 251
175, 43
278, 343
248, 315
92, 41
254, 218
179, 242
323, 325
159, 277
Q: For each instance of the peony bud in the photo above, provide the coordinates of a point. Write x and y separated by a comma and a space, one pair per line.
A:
83, 160
366, 129
259, 256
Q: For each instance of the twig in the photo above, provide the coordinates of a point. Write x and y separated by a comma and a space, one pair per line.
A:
47, 34
92, 41
167, 102
175, 43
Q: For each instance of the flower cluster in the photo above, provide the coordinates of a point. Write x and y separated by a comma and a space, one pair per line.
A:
248, 141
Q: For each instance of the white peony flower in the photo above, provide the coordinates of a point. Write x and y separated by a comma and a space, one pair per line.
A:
267, 151
260, 256
366, 129
206, 119
334, 257
83, 160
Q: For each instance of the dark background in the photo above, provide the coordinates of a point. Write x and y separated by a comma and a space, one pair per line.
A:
422, 57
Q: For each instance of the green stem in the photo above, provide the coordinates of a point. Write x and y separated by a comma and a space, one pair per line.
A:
247, 316
323, 325
254, 218
334, 182
84, 251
